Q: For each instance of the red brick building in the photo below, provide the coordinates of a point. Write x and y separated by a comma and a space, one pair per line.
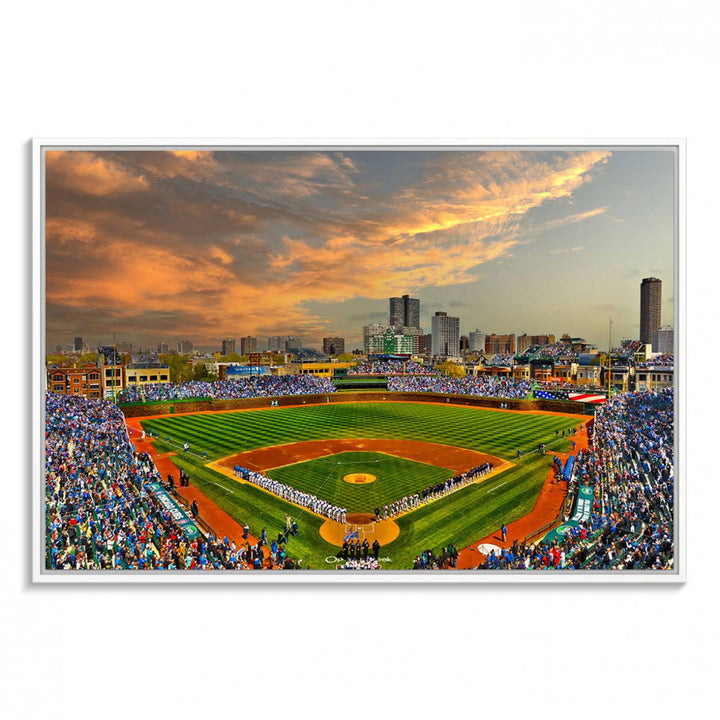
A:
499, 344
82, 381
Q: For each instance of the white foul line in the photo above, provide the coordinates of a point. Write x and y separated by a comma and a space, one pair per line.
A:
497, 486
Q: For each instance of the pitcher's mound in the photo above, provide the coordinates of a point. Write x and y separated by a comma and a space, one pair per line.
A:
359, 478
384, 532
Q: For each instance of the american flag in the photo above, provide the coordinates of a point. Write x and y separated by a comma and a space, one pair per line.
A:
566, 395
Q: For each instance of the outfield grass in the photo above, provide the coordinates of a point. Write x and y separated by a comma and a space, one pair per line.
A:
395, 478
490, 431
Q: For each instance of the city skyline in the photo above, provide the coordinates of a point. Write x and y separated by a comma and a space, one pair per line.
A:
164, 245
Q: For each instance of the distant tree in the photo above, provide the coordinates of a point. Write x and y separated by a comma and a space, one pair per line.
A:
86, 358
202, 372
180, 368
56, 359
451, 369
345, 357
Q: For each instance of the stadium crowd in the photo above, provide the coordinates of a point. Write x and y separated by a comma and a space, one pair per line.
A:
554, 351
499, 360
257, 386
391, 367
629, 467
487, 386
100, 513
570, 386
660, 360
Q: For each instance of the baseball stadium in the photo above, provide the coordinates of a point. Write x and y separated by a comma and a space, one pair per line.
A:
294, 382
425, 474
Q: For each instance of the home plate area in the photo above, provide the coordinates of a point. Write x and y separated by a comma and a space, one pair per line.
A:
367, 528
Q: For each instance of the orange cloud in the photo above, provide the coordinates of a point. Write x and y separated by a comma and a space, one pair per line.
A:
65, 231
218, 253
189, 154
90, 174
577, 217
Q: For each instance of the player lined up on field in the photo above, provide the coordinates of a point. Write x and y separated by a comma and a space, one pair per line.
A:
339, 514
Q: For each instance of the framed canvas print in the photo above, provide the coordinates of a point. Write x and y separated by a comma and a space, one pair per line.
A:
451, 361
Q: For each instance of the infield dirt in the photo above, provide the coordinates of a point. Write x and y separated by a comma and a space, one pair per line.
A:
456, 459
263, 459
215, 516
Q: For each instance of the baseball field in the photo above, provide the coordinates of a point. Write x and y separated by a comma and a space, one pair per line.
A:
361, 456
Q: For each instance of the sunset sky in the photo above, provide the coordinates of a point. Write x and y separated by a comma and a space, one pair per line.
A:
161, 246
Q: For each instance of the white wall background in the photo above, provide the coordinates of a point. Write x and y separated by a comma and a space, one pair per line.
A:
509, 70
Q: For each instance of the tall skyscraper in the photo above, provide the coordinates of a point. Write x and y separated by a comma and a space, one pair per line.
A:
276, 343
333, 345
78, 344
445, 335
663, 340
185, 347
248, 344
228, 346
650, 308
405, 311
282, 343
163, 348
477, 341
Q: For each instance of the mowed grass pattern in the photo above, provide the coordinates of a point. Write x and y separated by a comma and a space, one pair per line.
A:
395, 477
491, 431
460, 518
472, 513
